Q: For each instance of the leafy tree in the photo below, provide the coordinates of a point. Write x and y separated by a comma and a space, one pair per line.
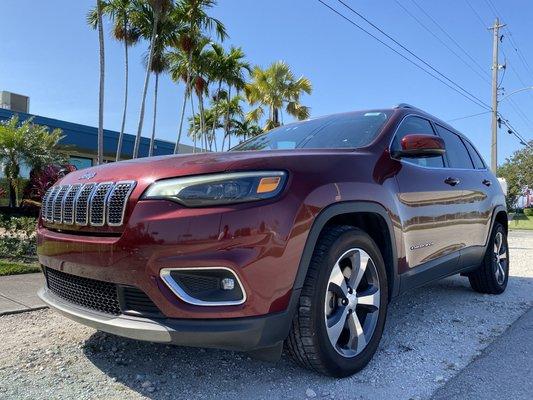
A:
277, 87
26, 144
518, 172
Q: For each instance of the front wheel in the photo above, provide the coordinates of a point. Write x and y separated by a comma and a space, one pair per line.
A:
492, 275
343, 304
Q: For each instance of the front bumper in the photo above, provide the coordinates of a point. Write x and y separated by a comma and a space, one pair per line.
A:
243, 334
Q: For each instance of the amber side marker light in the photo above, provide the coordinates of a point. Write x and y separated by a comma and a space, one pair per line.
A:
268, 184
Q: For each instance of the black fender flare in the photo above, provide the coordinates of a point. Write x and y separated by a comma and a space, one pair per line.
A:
324, 217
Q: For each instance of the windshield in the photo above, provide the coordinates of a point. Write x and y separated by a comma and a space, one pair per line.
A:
351, 130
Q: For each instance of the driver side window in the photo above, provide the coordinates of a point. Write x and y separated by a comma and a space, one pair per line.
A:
416, 125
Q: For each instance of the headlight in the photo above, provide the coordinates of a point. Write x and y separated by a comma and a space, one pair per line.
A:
218, 189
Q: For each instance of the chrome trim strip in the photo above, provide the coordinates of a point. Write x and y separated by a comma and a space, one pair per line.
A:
60, 221
104, 203
94, 185
126, 199
55, 193
77, 187
178, 291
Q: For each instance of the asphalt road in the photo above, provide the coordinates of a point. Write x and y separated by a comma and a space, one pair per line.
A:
436, 337
503, 371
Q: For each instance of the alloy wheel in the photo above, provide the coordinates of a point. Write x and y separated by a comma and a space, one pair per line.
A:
352, 302
500, 258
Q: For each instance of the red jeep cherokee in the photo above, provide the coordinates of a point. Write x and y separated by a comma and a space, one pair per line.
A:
301, 235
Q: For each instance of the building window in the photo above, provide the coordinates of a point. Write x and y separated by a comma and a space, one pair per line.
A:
81, 162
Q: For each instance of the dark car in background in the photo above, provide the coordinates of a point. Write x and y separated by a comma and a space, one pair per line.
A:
300, 236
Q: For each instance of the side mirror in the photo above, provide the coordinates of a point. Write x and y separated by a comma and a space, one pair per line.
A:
420, 146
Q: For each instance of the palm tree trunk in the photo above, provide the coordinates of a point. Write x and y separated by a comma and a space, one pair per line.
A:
152, 139
215, 117
203, 131
185, 95
145, 89
100, 156
126, 75
226, 122
193, 124
12, 193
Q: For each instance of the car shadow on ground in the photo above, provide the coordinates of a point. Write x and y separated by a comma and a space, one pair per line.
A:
428, 329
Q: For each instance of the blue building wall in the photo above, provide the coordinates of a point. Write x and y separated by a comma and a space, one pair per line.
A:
83, 138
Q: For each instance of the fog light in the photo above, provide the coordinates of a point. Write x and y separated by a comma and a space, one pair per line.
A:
227, 284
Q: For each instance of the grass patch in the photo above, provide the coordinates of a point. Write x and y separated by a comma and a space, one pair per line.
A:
521, 221
15, 268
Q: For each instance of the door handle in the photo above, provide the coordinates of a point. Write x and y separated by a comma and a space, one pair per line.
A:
486, 182
451, 181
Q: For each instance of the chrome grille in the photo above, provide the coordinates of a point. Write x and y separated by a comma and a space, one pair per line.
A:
81, 204
87, 204
44, 203
116, 202
50, 203
58, 204
98, 203
68, 204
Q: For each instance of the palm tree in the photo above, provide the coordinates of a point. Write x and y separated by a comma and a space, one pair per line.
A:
26, 144
236, 69
157, 9
245, 129
119, 11
229, 69
100, 157
197, 21
233, 109
277, 87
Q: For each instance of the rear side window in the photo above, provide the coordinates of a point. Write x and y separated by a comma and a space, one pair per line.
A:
455, 149
416, 125
476, 158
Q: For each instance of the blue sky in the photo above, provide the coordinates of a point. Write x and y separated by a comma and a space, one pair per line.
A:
48, 52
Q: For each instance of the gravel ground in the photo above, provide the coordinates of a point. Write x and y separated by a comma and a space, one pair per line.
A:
431, 334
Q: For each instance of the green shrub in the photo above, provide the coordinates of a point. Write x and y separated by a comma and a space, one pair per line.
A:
528, 211
17, 237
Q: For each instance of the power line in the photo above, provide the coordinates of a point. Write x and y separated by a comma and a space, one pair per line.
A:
483, 77
466, 94
514, 132
468, 116
449, 36
476, 13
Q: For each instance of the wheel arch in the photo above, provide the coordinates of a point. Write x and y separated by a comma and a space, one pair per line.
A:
368, 216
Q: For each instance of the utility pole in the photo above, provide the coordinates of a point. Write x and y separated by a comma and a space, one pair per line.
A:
495, 68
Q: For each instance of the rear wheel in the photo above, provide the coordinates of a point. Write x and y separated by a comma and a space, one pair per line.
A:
342, 308
492, 276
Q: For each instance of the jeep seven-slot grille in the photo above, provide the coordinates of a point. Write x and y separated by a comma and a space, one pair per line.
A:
100, 296
87, 204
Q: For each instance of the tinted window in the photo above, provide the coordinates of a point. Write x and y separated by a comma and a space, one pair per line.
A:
351, 130
455, 149
416, 125
476, 158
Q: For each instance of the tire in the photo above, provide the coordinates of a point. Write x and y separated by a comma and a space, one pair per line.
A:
492, 275
324, 300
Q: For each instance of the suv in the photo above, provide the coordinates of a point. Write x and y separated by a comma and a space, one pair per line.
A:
300, 236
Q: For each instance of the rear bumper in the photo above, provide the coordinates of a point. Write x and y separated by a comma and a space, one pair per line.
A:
243, 334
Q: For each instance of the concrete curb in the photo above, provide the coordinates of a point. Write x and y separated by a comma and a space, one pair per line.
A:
22, 310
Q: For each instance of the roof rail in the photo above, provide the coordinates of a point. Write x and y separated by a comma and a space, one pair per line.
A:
404, 105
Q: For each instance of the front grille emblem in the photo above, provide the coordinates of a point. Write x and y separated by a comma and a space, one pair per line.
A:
87, 175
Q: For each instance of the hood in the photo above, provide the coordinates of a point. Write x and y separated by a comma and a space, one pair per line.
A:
147, 170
